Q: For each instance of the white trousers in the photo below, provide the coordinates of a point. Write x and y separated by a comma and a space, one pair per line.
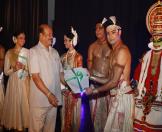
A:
42, 119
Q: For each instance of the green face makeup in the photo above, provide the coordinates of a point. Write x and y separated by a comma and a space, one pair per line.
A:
157, 43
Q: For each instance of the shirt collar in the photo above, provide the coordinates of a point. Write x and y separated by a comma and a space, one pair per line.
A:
42, 46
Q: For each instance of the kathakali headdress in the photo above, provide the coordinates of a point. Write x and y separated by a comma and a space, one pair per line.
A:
154, 25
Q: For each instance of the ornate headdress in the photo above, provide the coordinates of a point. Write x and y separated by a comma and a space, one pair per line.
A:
154, 22
112, 21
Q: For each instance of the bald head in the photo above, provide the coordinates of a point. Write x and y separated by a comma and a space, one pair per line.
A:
42, 27
45, 35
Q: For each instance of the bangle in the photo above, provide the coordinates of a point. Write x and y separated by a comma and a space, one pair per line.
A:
95, 91
49, 93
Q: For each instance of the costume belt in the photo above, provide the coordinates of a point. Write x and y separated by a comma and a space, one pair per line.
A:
122, 88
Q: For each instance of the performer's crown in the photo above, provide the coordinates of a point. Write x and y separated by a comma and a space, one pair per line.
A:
157, 24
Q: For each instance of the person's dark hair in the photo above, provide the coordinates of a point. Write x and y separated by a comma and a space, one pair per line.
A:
68, 33
17, 33
41, 28
98, 20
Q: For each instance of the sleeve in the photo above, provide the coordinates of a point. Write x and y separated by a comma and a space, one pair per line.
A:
137, 72
62, 58
79, 61
8, 70
59, 61
60, 65
27, 64
33, 62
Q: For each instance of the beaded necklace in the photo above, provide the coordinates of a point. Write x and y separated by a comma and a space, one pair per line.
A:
69, 58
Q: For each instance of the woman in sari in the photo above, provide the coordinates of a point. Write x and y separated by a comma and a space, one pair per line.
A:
15, 113
71, 102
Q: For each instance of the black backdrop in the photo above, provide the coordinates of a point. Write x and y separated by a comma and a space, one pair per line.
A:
21, 15
82, 14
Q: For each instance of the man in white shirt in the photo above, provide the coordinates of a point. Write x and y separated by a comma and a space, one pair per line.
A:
45, 91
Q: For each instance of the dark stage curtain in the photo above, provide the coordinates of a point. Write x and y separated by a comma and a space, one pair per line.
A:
24, 15
83, 14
